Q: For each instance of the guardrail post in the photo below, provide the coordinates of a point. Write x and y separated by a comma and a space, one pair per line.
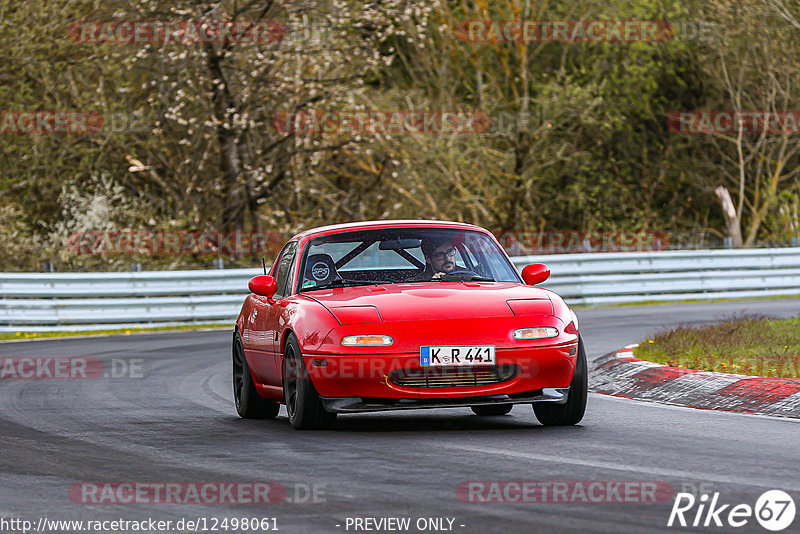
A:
218, 263
728, 242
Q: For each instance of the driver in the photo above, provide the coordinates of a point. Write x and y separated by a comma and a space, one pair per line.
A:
440, 257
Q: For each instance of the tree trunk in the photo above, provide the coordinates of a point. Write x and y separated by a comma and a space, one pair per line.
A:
732, 222
228, 136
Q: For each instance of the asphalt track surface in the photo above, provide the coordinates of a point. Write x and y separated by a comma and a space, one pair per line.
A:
177, 423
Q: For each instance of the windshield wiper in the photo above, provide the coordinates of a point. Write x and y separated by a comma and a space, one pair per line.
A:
340, 282
465, 278
454, 278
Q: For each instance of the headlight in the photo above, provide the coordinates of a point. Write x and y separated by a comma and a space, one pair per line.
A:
367, 341
537, 332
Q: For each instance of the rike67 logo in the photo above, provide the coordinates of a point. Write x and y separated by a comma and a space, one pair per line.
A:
774, 510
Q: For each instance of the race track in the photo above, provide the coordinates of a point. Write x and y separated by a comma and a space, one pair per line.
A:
177, 423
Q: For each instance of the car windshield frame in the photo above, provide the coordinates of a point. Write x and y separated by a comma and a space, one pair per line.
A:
491, 256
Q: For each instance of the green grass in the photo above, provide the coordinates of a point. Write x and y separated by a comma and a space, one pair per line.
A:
688, 301
6, 336
747, 345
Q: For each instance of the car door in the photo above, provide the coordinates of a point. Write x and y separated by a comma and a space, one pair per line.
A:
259, 329
284, 275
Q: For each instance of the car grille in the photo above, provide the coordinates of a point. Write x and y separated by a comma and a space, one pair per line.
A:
445, 377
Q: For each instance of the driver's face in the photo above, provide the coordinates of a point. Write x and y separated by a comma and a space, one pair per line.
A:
443, 258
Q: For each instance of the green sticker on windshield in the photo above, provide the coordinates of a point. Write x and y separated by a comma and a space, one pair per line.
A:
309, 283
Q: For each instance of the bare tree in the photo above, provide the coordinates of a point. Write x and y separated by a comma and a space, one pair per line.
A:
755, 62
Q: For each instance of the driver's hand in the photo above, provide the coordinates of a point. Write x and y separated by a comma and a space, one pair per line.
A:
437, 276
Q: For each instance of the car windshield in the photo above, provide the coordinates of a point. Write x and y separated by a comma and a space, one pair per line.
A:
395, 255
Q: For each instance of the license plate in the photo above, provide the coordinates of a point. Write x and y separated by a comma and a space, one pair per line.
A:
455, 356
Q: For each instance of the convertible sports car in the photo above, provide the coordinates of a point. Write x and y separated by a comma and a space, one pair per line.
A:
396, 315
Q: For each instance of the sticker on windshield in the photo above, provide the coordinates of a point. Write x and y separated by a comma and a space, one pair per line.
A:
320, 270
309, 283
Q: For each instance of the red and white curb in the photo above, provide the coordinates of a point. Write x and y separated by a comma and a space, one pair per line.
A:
622, 375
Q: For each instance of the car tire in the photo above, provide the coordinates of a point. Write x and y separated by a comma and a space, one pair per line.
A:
571, 412
249, 405
303, 404
492, 409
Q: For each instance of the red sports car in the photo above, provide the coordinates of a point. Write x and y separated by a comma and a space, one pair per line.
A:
394, 315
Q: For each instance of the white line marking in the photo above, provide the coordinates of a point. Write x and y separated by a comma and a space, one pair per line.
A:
692, 475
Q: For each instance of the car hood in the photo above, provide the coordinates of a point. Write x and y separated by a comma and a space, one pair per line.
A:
432, 301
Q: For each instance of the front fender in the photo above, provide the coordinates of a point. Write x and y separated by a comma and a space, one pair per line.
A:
307, 319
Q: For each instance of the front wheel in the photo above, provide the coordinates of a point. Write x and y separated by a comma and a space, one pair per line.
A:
249, 404
571, 412
492, 409
303, 405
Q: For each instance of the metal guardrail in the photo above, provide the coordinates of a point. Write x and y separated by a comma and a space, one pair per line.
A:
85, 301
618, 278
39, 302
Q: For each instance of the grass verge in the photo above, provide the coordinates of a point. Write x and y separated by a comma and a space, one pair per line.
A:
6, 336
748, 345
688, 301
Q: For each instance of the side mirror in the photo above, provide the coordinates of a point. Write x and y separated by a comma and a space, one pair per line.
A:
263, 285
535, 273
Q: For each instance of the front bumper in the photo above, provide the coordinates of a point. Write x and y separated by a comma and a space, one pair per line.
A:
372, 372
371, 375
367, 404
